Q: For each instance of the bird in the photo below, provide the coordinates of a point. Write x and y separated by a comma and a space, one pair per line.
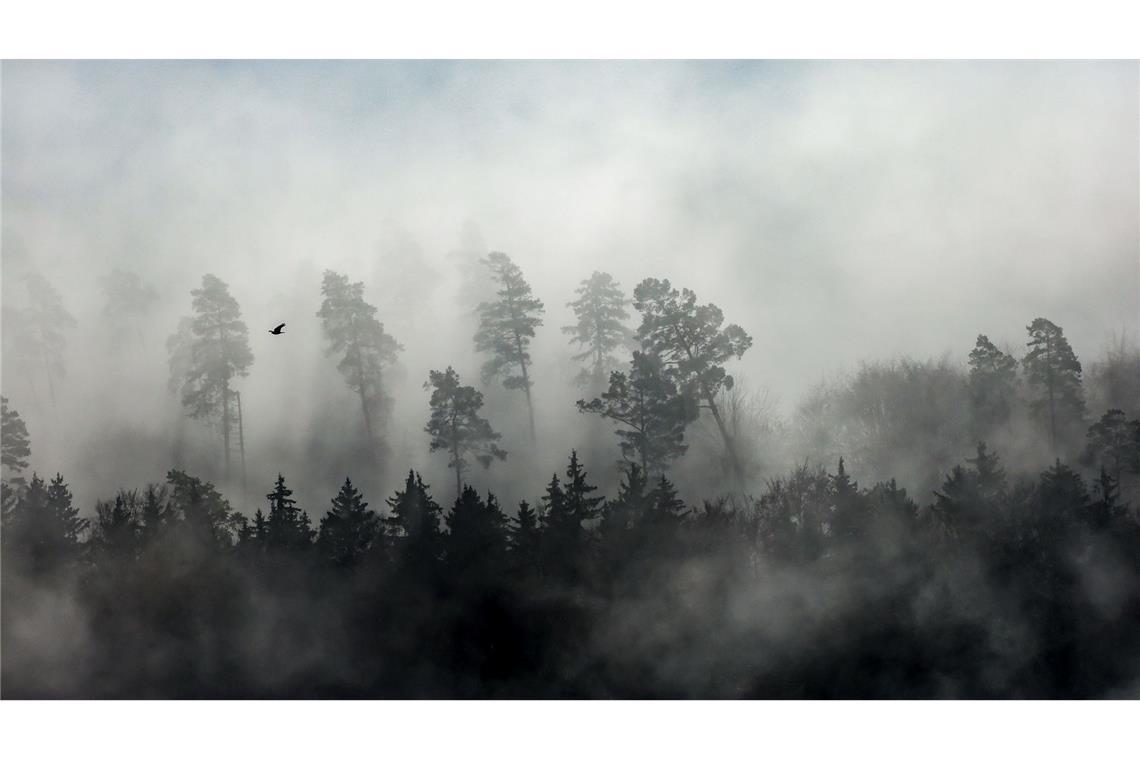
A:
277, 330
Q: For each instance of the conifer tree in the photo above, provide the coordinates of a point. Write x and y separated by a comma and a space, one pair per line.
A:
288, 527
666, 507
648, 403
415, 528
564, 536
1107, 508
600, 329
214, 354
350, 530
476, 541
152, 515
366, 350
1052, 369
202, 512
525, 539
993, 380
506, 326
15, 446
849, 517
35, 325
115, 534
693, 345
456, 427
1114, 442
46, 529
127, 302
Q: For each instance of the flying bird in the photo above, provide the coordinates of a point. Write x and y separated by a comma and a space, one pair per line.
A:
277, 330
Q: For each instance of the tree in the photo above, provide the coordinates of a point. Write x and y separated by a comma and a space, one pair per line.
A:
414, 526
349, 530
667, 510
476, 541
525, 540
649, 404
45, 527
366, 350
600, 330
288, 527
456, 427
16, 446
35, 331
115, 534
693, 345
1112, 442
1052, 369
849, 509
215, 352
202, 512
993, 380
127, 301
564, 536
506, 327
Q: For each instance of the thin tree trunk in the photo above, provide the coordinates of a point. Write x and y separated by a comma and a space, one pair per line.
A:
241, 447
526, 387
226, 426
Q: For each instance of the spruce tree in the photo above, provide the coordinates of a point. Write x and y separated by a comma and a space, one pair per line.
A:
693, 345
993, 382
849, 514
565, 508
667, 509
476, 541
456, 427
15, 445
366, 351
525, 537
115, 534
415, 529
1113, 442
211, 357
1052, 369
202, 513
600, 330
654, 412
506, 326
350, 530
288, 527
46, 530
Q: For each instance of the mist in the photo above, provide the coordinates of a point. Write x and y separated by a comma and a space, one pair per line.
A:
863, 222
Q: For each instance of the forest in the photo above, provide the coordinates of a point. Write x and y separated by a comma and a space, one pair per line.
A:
959, 527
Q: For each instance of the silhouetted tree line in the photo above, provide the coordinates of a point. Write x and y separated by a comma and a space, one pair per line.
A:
818, 587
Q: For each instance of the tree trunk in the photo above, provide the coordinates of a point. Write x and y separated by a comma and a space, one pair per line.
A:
226, 427
526, 387
241, 448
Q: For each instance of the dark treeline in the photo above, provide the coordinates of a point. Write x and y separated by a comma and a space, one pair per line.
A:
818, 587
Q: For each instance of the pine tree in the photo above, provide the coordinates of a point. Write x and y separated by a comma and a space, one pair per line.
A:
476, 541
115, 534
212, 356
415, 529
127, 302
202, 512
366, 350
600, 330
666, 508
1052, 369
993, 381
1107, 509
849, 513
578, 499
456, 427
288, 527
16, 446
1113, 442
693, 345
564, 536
989, 475
649, 404
525, 540
348, 531
152, 515
35, 326
45, 528
506, 327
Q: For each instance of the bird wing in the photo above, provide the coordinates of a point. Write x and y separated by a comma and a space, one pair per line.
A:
278, 328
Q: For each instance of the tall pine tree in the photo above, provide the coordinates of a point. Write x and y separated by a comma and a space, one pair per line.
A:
350, 530
693, 345
366, 351
1053, 371
993, 382
506, 326
214, 354
456, 427
600, 330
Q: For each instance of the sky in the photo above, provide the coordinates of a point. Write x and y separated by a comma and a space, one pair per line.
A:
838, 211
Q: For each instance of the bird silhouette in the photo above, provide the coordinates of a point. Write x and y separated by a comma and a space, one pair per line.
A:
277, 330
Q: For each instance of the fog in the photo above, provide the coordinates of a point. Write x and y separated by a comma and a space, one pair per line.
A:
838, 212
